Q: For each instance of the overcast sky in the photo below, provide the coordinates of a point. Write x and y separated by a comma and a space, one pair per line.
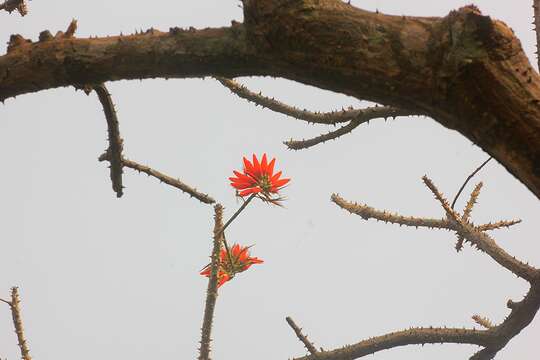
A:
105, 278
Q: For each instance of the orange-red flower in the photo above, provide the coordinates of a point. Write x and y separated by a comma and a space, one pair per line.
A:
228, 268
258, 178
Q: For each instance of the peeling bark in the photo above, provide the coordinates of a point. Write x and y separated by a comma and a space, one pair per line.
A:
467, 71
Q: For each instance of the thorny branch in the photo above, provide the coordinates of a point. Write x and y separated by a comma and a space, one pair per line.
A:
114, 151
207, 199
15, 305
367, 212
332, 135
212, 293
326, 118
493, 338
303, 338
11, 5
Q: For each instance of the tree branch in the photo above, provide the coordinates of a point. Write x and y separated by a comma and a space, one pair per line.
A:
166, 179
367, 212
15, 305
406, 337
483, 241
114, 152
303, 338
477, 81
327, 118
212, 292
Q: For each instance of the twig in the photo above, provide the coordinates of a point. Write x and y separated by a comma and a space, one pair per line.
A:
468, 179
212, 293
332, 135
114, 152
328, 118
467, 212
15, 305
166, 179
11, 5
303, 338
536, 7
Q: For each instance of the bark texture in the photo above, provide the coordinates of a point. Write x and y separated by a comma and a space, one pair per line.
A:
466, 70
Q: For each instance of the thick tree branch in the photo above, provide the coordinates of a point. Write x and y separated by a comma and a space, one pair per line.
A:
466, 71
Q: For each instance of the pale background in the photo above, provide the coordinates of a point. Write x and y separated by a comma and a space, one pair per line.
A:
106, 278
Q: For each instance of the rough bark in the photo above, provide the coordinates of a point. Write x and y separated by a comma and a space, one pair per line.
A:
466, 71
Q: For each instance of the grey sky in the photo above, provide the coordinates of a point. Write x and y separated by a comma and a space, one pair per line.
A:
105, 278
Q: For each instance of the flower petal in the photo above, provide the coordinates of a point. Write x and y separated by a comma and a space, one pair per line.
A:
253, 190
256, 167
280, 183
270, 168
264, 164
248, 168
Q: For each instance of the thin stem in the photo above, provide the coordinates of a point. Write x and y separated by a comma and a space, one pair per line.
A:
468, 179
240, 209
235, 215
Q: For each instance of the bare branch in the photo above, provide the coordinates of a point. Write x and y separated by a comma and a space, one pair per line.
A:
212, 293
15, 305
328, 118
11, 5
483, 241
114, 152
536, 7
332, 135
166, 179
303, 338
468, 179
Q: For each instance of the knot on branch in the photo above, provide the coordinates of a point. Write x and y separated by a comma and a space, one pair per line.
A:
17, 41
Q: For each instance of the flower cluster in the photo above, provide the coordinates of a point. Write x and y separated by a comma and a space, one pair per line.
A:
259, 178
238, 261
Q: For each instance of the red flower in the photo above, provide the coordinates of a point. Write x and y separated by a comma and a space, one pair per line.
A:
258, 178
240, 261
